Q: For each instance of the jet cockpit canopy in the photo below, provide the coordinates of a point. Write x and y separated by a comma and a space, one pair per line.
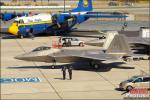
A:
41, 48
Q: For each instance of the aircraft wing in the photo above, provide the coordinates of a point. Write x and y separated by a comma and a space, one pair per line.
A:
97, 56
74, 56
138, 40
105, 15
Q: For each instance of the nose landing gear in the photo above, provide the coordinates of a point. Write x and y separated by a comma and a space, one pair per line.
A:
54, 63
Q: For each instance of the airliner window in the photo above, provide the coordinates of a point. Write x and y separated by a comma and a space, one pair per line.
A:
41, 48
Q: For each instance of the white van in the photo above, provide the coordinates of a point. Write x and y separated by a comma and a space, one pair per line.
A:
70, 41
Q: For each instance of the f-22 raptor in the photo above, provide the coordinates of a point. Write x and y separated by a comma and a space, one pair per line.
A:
114, 48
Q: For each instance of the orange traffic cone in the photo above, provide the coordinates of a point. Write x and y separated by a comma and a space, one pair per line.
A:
54, 44
59, 45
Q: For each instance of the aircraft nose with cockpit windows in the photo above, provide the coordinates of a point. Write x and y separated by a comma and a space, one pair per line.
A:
41, 52
13, 29
22, 25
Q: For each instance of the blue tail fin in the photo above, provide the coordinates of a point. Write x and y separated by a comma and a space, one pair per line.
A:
83, 5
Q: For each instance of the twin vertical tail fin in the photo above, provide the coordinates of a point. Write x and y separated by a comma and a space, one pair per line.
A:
116, 44
83, 5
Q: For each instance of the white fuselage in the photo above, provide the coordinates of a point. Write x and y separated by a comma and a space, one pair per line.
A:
35, 18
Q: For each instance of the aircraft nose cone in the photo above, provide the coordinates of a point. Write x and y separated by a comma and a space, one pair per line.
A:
25, 57
20, 57
13, 29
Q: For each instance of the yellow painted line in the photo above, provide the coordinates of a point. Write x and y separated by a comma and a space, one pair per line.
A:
35, 23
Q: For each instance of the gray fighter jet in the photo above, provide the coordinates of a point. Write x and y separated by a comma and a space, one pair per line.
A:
137, 44
114, 48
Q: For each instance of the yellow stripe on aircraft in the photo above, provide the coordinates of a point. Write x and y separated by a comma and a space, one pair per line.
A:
35, 23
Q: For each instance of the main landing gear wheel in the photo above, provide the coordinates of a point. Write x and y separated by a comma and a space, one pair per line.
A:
81, 44
95, 66
53, 67
54, 63
20, 36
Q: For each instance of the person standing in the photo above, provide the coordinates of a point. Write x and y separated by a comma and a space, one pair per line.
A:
69, 43
31, 33
64, 72
125, 25
70, 72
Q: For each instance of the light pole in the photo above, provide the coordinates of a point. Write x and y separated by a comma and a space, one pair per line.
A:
41, 2
48, 2
19, 2
64, 5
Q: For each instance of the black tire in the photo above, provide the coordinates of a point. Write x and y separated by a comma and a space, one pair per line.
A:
53, 67
81, 44
93, 65
20, 36
129, 88
103, 37
96, 66
128, 59
64, 45
124, 59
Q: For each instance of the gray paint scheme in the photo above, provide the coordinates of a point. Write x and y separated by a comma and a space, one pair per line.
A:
115, 51
132, 38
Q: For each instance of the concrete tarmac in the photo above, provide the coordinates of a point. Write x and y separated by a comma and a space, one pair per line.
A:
95, 24
86, 83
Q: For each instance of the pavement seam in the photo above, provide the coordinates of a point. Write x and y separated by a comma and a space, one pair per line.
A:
105, 79
60, 91
26, 93
40, 71
20, 46
50, 83
138, 67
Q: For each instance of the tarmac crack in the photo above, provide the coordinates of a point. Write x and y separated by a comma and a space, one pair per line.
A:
106, 79
138, 67
26, 93
50, 84
59, 92
41, 72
